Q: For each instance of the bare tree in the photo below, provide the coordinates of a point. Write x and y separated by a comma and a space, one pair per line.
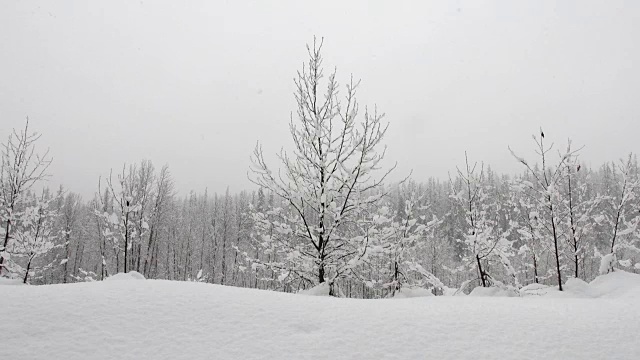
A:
400, 235
21, 168
483, 238
37, 234
546, 191
326, 181
164, 194
581, 209
69, 217
128, 220
625, 220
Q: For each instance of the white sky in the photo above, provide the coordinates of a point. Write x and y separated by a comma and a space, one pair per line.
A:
196, 84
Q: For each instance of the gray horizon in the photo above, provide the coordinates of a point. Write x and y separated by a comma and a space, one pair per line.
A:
195, 85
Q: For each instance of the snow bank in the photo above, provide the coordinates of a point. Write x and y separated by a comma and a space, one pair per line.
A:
7, 281
318, 290
533, 289
322, 290
158, 319
131, 275
493, 291
447, 291
412, 292
578, 287
616, 285
606, 263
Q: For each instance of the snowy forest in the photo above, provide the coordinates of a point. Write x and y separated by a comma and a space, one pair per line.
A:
326, 216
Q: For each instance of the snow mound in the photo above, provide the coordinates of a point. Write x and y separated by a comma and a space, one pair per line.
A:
412, 292
190, 320
533, 289
494, 291
131, 275
578, 287
447, 291
618, 285
7, 281
318, 290
606, 263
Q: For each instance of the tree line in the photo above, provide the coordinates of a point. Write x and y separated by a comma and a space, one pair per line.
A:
326, 216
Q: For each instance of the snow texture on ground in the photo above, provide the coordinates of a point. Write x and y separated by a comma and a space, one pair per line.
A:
155, 319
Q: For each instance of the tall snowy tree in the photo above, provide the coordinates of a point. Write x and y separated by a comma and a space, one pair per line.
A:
545, 190
626, 216
128, 222
327, 181
484, 240
581, 211
36, 235
21, 168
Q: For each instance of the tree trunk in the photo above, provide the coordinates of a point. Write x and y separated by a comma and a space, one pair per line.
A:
66, 255
321, 271
126, 240
574, 240
555, 244
26, 274
6, 242
535, 269
482, 274
575, 258
149, 254
224, 250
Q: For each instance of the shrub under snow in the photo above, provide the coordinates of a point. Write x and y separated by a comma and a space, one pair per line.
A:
412, 292
131, 275
606, 263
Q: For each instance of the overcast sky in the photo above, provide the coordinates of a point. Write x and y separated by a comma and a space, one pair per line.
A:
196, 84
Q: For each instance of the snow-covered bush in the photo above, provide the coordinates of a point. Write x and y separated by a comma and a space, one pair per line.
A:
34, 235
131, 275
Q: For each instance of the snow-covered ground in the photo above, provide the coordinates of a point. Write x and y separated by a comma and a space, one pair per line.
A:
154, 319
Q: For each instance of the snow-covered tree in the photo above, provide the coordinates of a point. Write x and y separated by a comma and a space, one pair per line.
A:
21, 168
327, 182
626, 216
401, 236
35, 235
529, 228
484, 240
581, 208
164, 191
69, 218
545, 190
127, 221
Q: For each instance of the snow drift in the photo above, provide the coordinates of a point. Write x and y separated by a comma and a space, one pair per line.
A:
615, 285
131, 275
618, 284
412, 292
156, 319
